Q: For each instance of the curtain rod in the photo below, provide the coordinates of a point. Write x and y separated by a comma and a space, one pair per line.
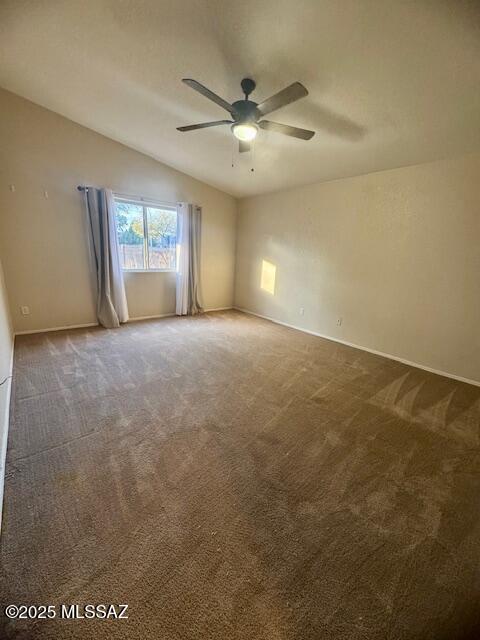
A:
126, 196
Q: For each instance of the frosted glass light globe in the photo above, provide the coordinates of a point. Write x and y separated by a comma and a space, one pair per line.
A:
245, 132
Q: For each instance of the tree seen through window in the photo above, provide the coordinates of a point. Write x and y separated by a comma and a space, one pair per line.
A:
147, 236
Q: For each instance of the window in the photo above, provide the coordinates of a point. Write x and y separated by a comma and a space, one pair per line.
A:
147, 235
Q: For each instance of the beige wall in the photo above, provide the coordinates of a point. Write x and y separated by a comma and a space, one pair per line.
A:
43, 240
6, 338
6, 344
395, 255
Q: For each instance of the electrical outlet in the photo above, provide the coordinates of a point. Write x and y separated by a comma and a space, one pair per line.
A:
339, 322
25, 311
302, 311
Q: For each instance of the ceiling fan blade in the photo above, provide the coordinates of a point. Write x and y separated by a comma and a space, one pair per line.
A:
204, 125
294, 132
244, 146
290, 94
208, 94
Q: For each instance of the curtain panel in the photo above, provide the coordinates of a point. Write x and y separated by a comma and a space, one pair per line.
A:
112, 307
188, 295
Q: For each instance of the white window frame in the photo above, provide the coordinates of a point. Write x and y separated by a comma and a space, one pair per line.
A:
145, 203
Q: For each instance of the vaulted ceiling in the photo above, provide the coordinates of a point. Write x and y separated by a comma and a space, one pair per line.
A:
391, 82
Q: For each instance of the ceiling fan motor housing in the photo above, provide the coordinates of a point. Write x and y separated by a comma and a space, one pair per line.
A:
245, 111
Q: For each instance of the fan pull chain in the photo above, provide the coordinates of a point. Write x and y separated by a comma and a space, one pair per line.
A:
253, 156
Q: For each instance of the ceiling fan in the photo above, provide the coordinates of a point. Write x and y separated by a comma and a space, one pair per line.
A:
247, 115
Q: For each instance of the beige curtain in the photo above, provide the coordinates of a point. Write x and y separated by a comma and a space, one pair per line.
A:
188, 296
111, 299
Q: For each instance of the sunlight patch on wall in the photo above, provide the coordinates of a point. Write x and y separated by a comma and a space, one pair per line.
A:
267, 280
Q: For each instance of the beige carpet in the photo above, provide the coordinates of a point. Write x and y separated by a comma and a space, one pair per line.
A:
230, 479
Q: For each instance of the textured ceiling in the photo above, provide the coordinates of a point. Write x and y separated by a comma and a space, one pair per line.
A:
391, 82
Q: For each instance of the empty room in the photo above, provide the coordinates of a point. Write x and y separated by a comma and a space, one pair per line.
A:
239, 320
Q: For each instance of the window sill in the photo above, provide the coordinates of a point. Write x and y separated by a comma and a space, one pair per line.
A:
149, 270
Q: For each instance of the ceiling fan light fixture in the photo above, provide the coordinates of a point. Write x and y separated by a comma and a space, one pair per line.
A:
246, 132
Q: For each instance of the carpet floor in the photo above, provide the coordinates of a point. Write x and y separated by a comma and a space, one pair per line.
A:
229, 478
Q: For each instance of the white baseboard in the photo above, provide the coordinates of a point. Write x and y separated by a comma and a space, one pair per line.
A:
95, 324
285, 324
4, 424
88, 324
171, 315
476, 383
68, 326
161, 315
